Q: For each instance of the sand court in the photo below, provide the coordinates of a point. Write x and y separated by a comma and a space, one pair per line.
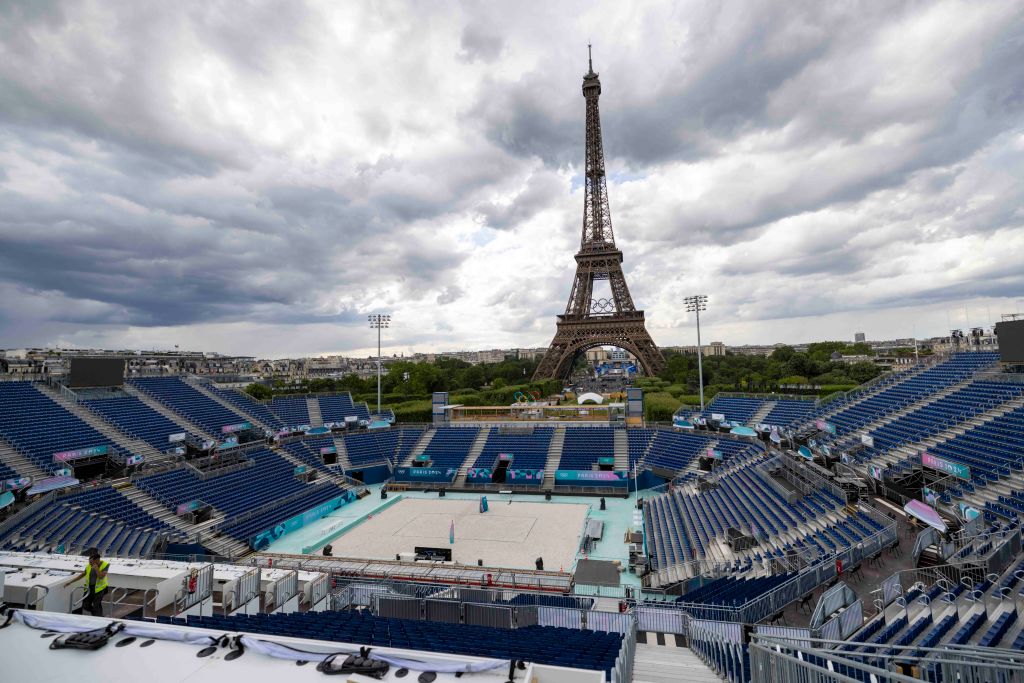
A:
508, 535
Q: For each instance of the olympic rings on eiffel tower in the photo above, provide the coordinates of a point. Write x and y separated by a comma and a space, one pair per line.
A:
602, 305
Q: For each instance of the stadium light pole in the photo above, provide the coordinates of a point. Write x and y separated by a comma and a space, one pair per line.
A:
379, 321
696, 304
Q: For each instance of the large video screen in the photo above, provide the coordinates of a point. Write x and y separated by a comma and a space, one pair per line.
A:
96, 372
1011, 341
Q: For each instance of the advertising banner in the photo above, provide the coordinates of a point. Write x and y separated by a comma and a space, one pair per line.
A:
230, 429
478, 474
876, 472
134, 460
606, 460
65, 456
327, 450
967, 513
823, 426
867, 440
947, 466
190, 506
505, 457
719, 417
15, 484
265, 538
681, 423
931, 497
714, 453
175, 438
590, 478
526, 476
230, 442
436, 474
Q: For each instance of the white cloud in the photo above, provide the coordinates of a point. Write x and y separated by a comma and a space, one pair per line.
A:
254, 180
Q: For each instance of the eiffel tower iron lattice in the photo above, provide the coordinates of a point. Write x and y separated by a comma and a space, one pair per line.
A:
590, 322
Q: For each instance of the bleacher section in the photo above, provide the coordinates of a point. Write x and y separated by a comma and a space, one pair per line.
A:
730, 591
188, 402
381, 446
269, 479
291, 410
450, 446
38, 427
249, 405
97, 518
308, 451
135, 418
901, 394
735, 409
339, 406
530, 451
991, 450
683, 526
948, 411
584, 445
788, 412
677, 450
593, 650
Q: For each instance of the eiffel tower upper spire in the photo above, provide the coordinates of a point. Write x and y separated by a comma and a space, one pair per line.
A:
597, 216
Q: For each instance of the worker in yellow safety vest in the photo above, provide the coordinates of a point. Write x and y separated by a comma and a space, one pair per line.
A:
95, 576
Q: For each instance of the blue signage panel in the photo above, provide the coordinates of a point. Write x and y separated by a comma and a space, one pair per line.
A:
591, 478
478, 474
528, 477
265, 538
425, 474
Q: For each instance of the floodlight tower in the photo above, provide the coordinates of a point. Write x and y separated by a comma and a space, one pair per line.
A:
695, 304
379, 321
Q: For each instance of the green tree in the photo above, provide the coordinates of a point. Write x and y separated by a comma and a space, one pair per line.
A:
260, 392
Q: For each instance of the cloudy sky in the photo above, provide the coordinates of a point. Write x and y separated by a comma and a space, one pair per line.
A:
258, 178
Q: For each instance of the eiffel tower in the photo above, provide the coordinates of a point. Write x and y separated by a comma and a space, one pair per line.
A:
590, 322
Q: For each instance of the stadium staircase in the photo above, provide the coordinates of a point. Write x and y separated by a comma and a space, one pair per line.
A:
171, 415
621, 450
474, 453
10, 457
201, 388
343, 461
554, 456
163, 513
762, 413
315, 418
655, 663
420, 446
126, 443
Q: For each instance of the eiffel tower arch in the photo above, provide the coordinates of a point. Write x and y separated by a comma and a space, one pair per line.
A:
589, 322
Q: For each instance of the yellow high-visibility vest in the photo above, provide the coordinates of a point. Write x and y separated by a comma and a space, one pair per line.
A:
101, 581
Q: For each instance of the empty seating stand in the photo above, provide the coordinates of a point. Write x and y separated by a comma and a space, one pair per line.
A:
99, 518
39, 427
249, 405
337, 407
189, 402
135, 418
584, 445
593, 650
787, 412
529, 451
381, 446
450, 446
735, 409
291, 410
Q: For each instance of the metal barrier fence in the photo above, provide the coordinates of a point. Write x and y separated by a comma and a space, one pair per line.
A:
780, 660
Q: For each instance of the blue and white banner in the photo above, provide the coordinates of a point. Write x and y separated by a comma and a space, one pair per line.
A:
435, 474
265, 538
591, 478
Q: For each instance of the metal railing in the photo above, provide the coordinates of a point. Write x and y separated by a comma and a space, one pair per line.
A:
780, 660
